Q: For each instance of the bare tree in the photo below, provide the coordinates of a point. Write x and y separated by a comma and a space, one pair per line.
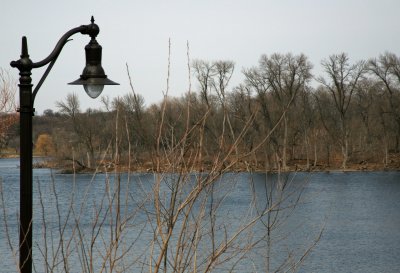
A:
85, 125
386, 68
204, 72
282, 77
342, 80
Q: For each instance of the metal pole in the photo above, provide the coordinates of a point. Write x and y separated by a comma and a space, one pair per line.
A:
26, 112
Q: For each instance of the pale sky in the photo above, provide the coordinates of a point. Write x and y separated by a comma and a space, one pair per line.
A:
137, 33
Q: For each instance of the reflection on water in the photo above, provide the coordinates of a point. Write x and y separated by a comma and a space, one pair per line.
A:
360, 214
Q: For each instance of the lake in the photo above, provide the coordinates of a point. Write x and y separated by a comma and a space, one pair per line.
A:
343, 221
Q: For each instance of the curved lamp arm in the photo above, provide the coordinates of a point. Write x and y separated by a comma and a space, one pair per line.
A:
52, 59
59, 46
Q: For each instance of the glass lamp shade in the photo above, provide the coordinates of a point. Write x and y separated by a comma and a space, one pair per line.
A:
92, 90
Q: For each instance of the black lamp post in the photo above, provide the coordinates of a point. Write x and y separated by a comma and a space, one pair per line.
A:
93, 80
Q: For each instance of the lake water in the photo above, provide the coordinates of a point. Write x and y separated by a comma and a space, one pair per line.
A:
358, 214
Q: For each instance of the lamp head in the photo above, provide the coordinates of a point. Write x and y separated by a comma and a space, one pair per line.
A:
93, 77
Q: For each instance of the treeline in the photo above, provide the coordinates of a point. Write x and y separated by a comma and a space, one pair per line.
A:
277, 118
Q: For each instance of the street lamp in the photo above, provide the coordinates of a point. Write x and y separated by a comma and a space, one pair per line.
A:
93, 80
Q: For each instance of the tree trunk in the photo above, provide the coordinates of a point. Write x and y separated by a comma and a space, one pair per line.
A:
345, 149
306, 140
284, 148
315, 150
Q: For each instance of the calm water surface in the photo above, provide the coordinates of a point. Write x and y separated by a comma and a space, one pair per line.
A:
359, 213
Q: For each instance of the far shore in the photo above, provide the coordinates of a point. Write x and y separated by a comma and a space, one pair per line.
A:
67, 167
147, 167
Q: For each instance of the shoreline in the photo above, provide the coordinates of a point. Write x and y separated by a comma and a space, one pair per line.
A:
297, 168
147, 167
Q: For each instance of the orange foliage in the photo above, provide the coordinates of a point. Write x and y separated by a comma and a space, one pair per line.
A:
44, 145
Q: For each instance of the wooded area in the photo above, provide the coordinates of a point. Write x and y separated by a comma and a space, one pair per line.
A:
276, 119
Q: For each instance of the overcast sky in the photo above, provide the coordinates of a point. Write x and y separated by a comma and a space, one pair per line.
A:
137, 33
